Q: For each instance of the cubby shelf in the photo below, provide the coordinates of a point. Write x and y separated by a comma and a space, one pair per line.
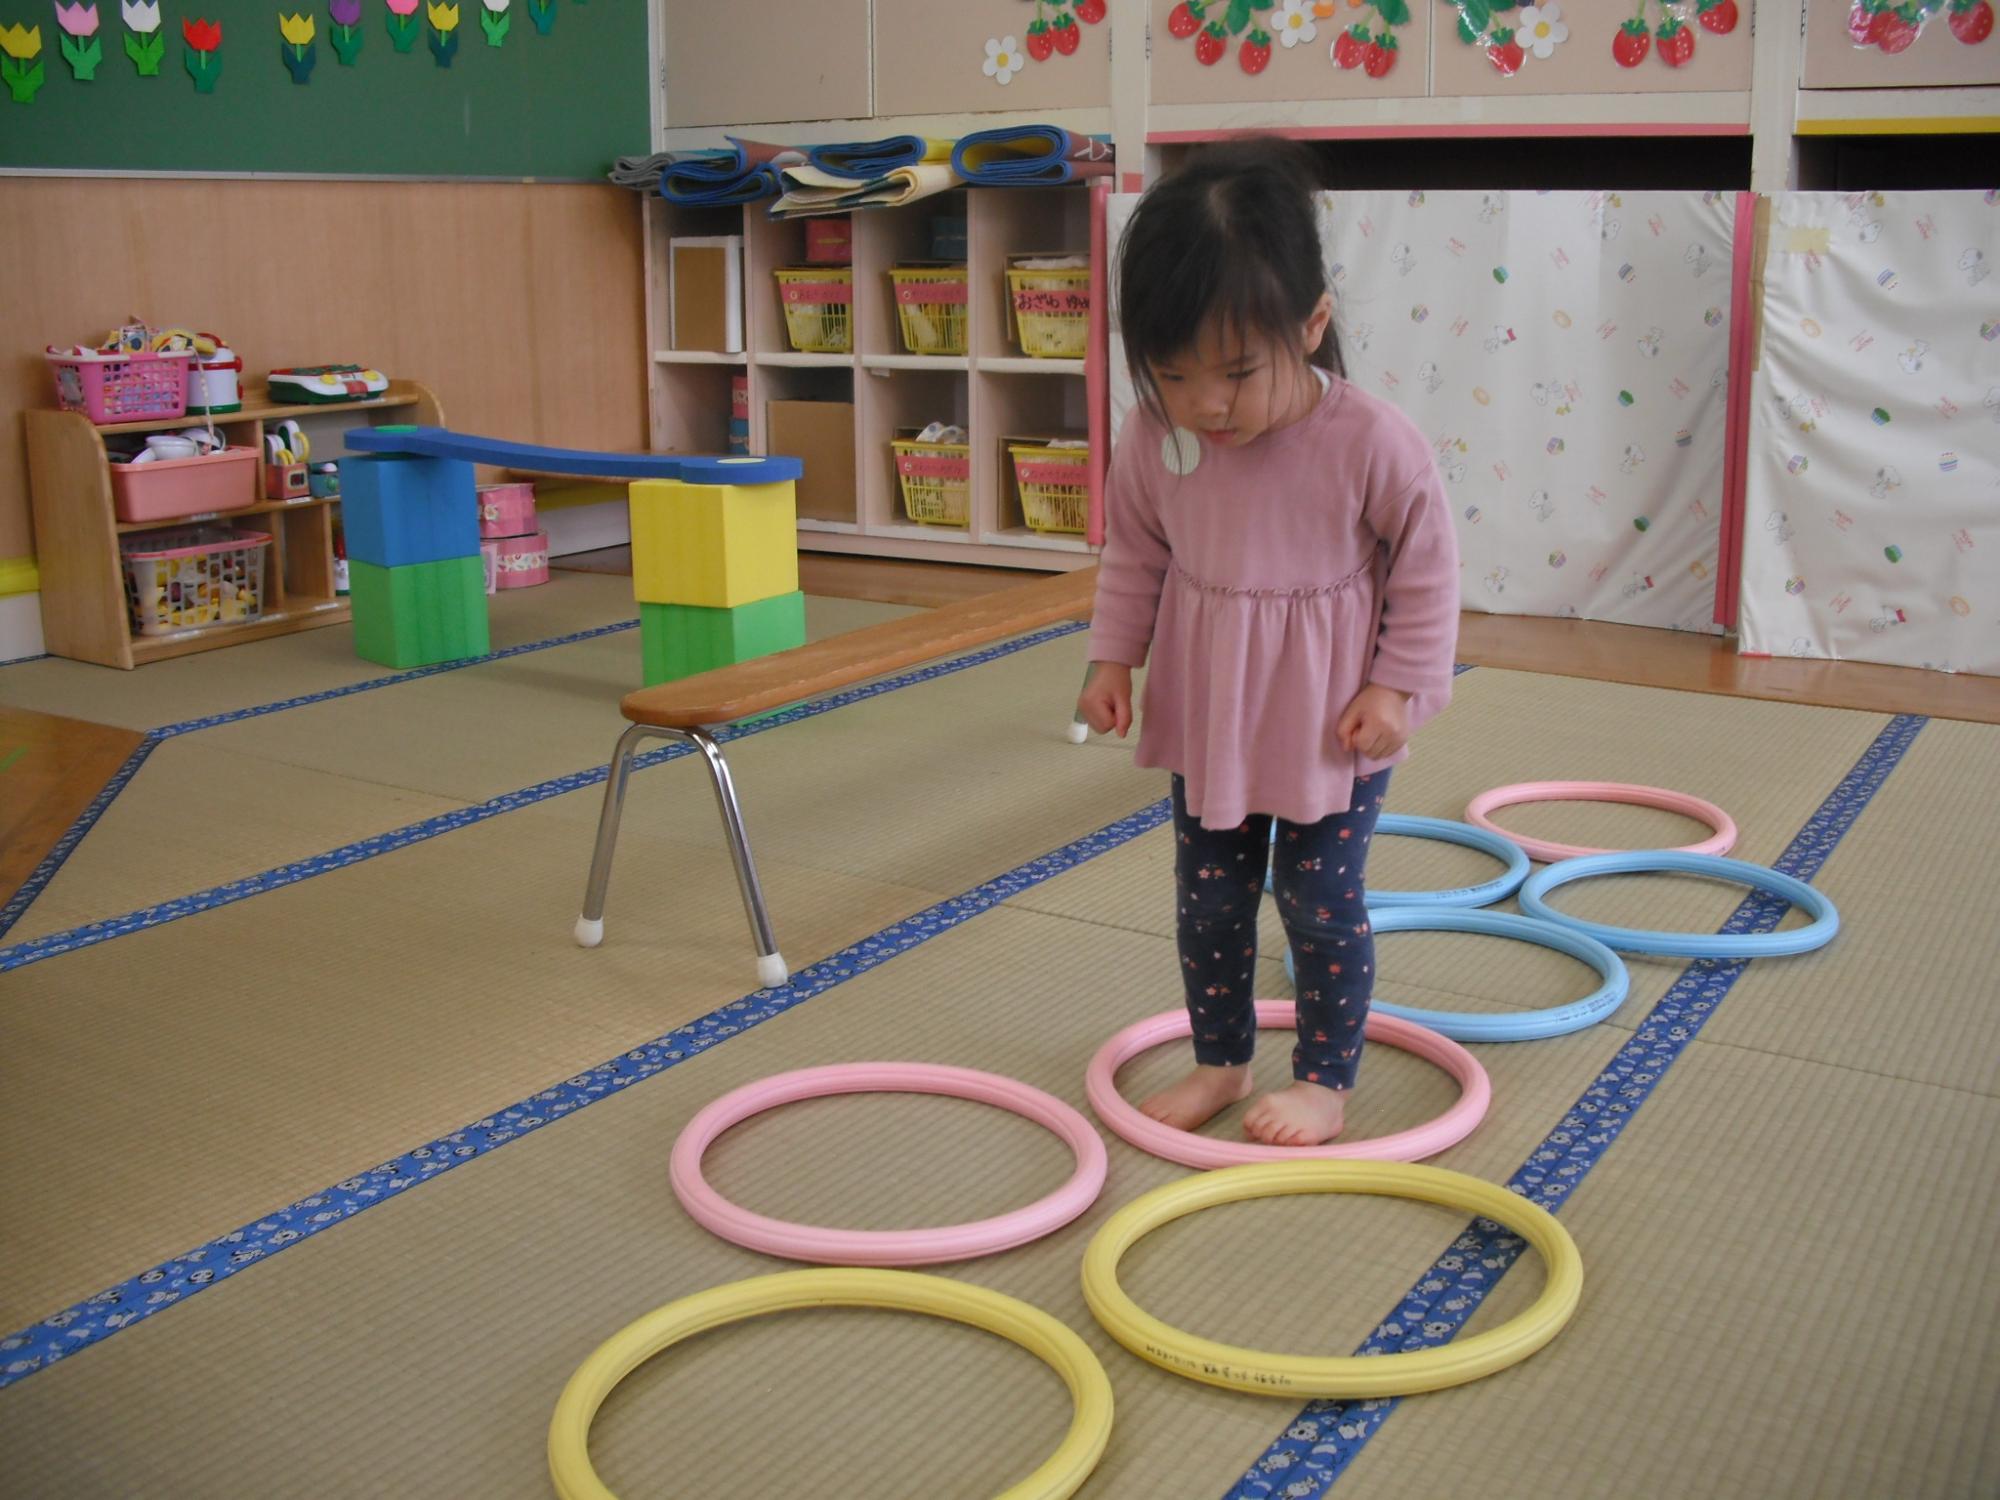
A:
84, 613
993, 390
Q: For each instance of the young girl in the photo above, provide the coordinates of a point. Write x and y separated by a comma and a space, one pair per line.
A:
1280, 542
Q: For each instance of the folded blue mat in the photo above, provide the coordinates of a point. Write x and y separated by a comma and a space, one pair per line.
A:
867, 160
1029, 154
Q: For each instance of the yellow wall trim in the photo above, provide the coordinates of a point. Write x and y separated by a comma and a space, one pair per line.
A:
18, 575
1904, 125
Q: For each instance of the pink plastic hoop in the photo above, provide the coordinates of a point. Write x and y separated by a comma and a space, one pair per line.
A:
1478, 810
1475, 1092
886, 1247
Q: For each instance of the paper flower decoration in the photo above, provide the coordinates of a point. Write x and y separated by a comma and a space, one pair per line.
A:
494, 20
402, 23
297, 51
1542, 28
1294, 24
543, 14
444, 31
143, 42
22, 65
1004, 59
345, 32
79, 42
203, 57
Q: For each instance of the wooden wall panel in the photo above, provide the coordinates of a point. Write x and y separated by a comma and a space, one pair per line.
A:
735, 65
521, 305
930, 59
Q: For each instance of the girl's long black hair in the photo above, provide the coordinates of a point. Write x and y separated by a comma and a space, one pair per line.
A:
1230, 237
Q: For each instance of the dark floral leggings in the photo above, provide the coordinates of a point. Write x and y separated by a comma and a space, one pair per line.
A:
1317, 874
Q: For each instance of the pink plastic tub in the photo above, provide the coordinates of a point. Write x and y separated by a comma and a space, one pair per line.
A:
506, 510
173, 488
519, 562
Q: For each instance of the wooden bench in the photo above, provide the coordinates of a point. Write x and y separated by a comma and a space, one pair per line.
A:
688, 709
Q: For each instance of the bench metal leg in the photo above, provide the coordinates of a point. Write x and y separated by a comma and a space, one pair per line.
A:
771, 969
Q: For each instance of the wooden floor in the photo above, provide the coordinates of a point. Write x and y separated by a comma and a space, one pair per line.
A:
51, 768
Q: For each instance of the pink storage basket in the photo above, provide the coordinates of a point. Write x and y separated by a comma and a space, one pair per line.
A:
193, 577
520, 562
506, 510
110, 388
171, 488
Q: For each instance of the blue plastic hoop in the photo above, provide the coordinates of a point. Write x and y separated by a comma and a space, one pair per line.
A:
1825, 923
1523, 1026
1499, 888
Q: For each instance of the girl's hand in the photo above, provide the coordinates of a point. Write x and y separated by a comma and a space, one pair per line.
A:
1106, 700
1376, 724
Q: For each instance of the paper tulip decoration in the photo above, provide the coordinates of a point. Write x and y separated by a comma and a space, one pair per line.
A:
143, 42
345, 31
444, 31
494, 20
21, 66
79, 43
402, 24
297, 51
543, 14
204, 53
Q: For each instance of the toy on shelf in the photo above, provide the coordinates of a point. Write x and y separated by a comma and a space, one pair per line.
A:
319, 385
193, 577
287, 451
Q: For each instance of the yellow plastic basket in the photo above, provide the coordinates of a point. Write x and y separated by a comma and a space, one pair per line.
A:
1055, 486
936, 480
819, 307
930, 304
1051, 311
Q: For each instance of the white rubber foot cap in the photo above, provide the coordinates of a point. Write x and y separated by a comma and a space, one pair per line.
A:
771, 971
588, 933
1078, 733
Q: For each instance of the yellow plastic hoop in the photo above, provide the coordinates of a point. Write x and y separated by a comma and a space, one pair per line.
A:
1060, 1475
1347, 1377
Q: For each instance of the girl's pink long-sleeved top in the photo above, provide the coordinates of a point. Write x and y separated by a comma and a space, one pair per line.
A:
1270, 584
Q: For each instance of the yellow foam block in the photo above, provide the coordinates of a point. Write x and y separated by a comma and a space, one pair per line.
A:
713, 545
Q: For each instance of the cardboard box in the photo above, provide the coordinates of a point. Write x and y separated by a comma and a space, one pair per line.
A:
821, 434
705, 293
829, 242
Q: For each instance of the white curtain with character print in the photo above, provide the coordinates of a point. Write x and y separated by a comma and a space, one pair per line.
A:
1872, 525
1567, 354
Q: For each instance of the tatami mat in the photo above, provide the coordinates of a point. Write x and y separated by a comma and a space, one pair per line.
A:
312, 661
354, 1014
229, 802
1789, 1273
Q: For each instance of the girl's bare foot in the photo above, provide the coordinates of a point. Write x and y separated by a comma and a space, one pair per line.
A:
1198, 1097
1306, 1114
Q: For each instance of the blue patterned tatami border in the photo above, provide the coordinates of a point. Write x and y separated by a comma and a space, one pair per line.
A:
394, 679
1317, 1447
95, 1319
93, 933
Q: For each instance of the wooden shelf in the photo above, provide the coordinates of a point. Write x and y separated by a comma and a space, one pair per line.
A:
263, 508
84, 612
993, 390
296, 614
1028, 364
699, 357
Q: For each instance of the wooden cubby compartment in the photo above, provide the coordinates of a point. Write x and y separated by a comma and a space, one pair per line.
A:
992, 390
84, 611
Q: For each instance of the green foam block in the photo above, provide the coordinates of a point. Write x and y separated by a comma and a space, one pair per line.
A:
419, 615
679, 640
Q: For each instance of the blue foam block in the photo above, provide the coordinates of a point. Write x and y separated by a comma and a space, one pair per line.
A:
398, 512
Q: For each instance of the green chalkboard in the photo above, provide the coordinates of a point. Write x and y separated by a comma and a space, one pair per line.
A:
560, 104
